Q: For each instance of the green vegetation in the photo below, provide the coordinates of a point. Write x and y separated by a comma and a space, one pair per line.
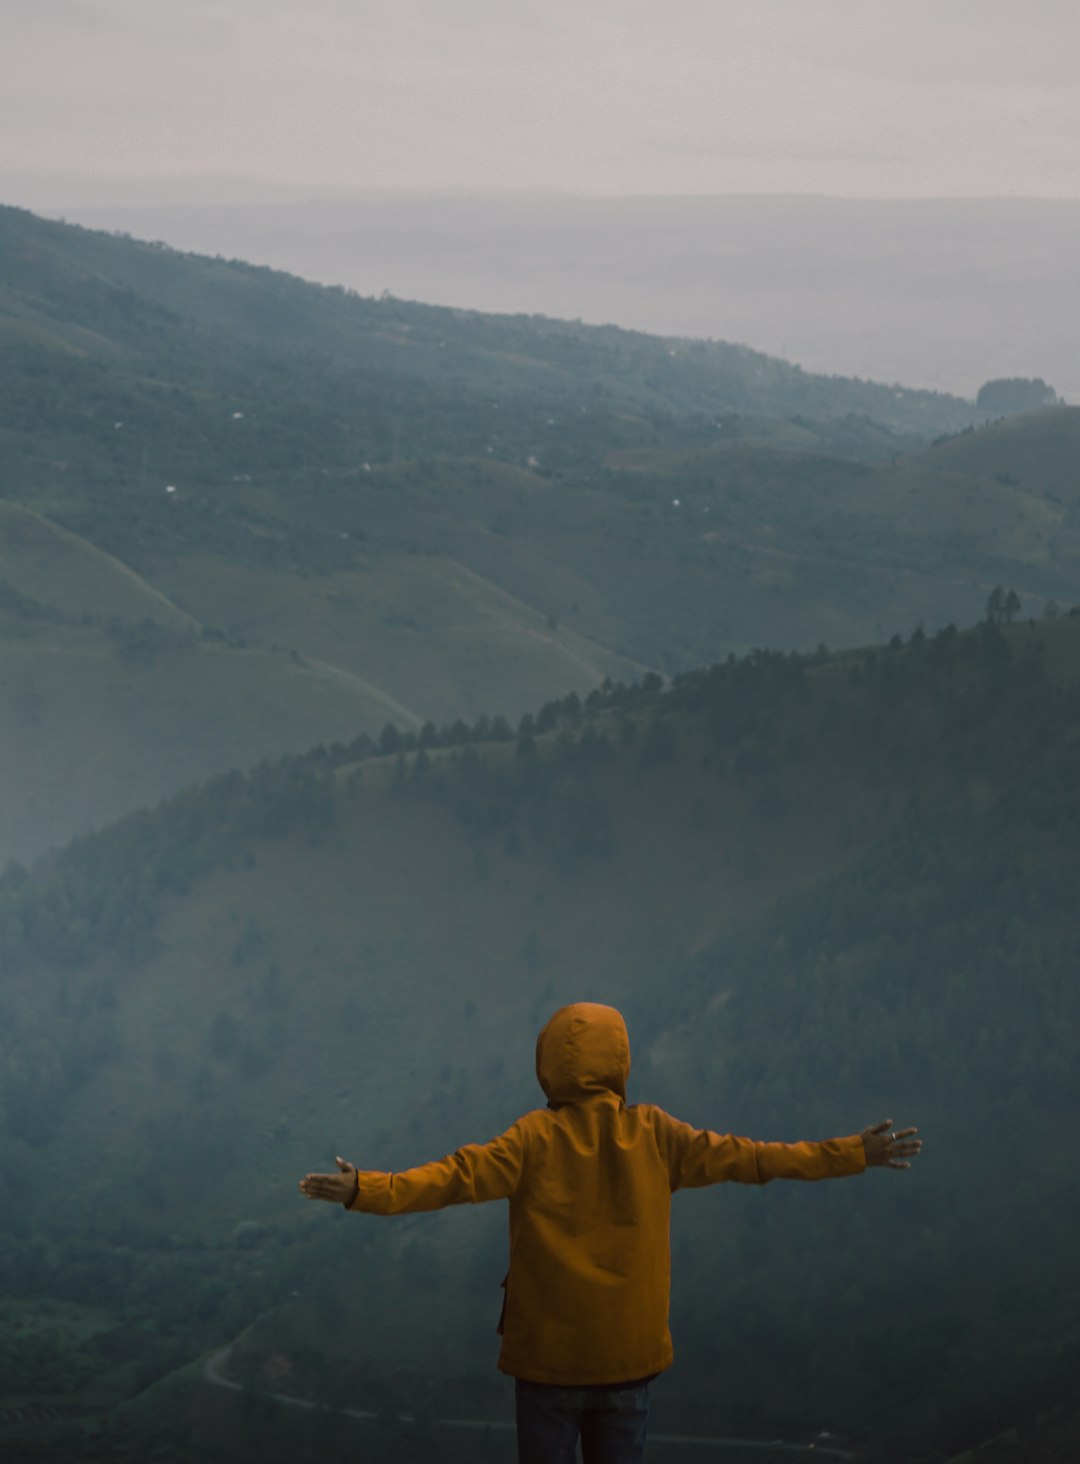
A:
823, 889
1016, 394
341, 511
419, 570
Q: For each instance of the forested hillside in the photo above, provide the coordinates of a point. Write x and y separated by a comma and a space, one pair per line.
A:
317, 513
824, 890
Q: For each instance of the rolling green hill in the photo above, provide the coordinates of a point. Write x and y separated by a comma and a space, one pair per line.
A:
824, 890
1035, 451
342, 512
112, 694
51, 574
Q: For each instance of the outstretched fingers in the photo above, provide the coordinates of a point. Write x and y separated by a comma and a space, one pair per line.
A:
889, 1147
321, 1186
902, 1150
339, 1187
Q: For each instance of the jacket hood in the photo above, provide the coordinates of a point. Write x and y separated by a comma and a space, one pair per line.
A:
583, 1050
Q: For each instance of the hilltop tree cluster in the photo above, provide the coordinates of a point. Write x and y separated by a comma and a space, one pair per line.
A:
1006, 395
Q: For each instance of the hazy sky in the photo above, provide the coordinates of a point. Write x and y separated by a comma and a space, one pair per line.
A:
852, 97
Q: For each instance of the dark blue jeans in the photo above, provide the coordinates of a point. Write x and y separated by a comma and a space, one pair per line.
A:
609, 1421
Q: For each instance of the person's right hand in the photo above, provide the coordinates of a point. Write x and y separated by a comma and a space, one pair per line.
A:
889, 1148
339, 1189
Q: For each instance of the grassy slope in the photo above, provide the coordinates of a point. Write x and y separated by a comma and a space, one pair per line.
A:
432, 634
95, 729
936, 529
69, 578
1009, 493
455, 579
103, 716
106, 683
1038, 450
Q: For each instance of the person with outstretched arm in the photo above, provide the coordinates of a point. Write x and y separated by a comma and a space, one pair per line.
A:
589, 1179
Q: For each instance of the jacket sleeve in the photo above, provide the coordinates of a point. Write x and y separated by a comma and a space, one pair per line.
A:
697, 1157
469, 1176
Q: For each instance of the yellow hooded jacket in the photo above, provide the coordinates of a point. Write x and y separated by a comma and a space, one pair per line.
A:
589, 1180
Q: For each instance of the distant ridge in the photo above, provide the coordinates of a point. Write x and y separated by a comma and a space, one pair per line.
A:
942, 293
292, 514
257, 306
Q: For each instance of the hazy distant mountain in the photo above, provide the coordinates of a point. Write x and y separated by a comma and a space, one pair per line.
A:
248, 513
939, 293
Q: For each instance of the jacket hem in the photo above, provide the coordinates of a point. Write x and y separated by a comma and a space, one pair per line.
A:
579, 1378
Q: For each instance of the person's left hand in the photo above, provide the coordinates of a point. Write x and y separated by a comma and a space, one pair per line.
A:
339, 1189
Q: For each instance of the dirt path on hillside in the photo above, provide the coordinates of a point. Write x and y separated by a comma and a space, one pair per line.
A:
214, 1372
